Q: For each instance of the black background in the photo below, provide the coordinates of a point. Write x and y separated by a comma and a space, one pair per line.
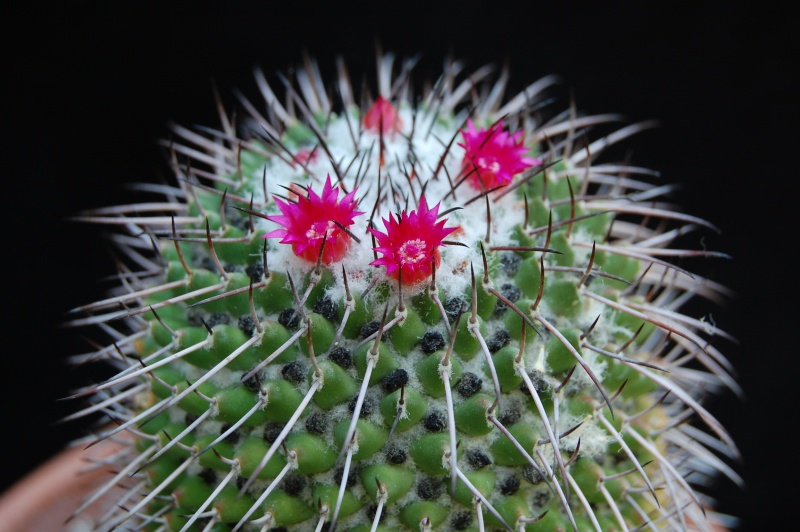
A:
92, 87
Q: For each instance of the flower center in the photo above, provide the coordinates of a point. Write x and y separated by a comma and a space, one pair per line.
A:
488, 163
319, 229
412, 251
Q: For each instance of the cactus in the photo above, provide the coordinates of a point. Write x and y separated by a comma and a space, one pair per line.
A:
406, 310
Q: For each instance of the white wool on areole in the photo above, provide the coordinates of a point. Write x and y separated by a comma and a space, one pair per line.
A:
430, 134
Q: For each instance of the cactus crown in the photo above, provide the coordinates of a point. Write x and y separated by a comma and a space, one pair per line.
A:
436, 311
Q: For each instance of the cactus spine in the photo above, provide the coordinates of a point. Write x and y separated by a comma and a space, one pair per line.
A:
385, 312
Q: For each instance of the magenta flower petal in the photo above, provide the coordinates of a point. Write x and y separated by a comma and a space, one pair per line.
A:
493, 156
314, 219
411, 245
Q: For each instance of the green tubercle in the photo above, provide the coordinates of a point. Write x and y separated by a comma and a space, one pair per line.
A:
386, 361
327, 495
337, 388
483, 480
507, 375
423, 513
313, 454
249, 454
427, 370
428, 452
506, 453
386, 480
286, 509
408, 332
406, 405
369, 437
471, 415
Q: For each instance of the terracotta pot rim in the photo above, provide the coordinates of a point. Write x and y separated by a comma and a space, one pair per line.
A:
45, 498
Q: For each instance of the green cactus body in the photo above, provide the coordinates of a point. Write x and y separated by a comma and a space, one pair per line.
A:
521, 365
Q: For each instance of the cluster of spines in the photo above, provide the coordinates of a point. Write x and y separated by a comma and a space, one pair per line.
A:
213, 346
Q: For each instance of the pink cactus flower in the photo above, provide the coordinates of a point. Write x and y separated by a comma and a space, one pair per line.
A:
382, 113
492, 156
412, 243
307, 222
304, 157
